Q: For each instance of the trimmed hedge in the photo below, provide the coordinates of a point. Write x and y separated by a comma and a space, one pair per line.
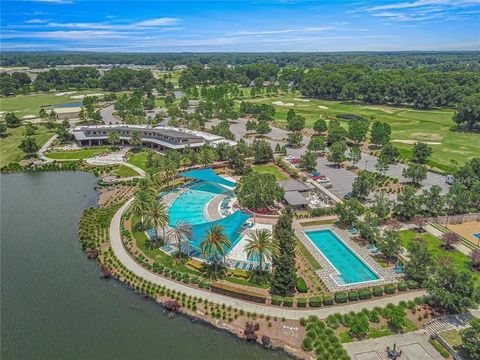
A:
353, 295
328, 300
364, 294
402, 286
315, 301
301, 285
390, 289
288, 301
341, 297
377, 291
276, 300
302, 302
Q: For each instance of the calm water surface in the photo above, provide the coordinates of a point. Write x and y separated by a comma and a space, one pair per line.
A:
55, 306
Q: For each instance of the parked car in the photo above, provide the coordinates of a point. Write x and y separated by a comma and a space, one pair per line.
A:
295, 161
449, 179
289, 157
315, 173
347, 196
288, 145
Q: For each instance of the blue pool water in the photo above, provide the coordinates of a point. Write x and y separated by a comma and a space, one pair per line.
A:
351, 268
477, 235
68, 105
190, 205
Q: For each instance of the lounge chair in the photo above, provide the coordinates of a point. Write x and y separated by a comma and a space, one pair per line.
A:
237, 264
244, 266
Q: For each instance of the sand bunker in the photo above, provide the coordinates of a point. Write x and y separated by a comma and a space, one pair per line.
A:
379, 108
323, 107
29, 117
281, 103
304, 100
83, 96
65, 93
411, 142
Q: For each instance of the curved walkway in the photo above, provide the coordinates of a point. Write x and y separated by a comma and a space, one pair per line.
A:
124, 257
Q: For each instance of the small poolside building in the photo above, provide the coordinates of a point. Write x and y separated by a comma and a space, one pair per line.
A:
296, 192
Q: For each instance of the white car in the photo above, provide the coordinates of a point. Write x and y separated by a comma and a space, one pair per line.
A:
449, 179
289, 157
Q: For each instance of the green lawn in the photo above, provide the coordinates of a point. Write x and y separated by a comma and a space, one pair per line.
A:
30, 104
77, 154
139, 160
270, 169
9, 151
308, 256
459, 260
408, 124
124, 171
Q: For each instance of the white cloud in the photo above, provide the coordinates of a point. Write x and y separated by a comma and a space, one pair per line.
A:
165, 22
53, 1
36, 21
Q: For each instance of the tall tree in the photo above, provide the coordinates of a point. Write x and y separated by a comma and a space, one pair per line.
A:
421, 152
113, 137
421, 263
215, 244
261, 247
469, 112
156, 216
182, 231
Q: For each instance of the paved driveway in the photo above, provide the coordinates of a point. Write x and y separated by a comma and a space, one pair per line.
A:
107, 115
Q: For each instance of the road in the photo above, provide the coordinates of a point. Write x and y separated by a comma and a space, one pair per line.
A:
107, 115
341, 178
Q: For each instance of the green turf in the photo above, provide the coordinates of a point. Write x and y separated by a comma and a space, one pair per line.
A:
30, 104
139, 160
270, 169
77, 154
459, 260
124, 171
434, 126
9, 151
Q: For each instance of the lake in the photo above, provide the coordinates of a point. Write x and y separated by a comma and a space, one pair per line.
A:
54, 305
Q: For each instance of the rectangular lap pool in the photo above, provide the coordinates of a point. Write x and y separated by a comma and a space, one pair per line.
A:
350, 267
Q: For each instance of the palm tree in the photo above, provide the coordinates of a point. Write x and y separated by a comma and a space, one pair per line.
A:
156, 216
113, 137
135, 139
181, 231
261, 246
215, 243
141, 203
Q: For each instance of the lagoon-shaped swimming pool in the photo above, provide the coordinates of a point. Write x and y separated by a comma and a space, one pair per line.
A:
191, 204
350, 267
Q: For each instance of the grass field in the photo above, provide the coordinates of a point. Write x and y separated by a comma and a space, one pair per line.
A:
435, 126
77, 154
30, 104
9, 151
459, 260
270, 169
124, 171
139, 160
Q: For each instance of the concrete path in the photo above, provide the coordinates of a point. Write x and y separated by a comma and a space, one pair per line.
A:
414, 346
124, 257
437, 233
45, 147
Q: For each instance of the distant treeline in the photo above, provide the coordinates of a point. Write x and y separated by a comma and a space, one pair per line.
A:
418, 86
443, 61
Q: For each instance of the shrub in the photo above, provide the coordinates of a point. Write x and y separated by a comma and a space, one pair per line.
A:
302, 302
412, 284
340, 297
288, 302
328, 300
353, 295
315, 301
365, 294
402, 286
440, 348
301, 285
307, 344
389, 289
276, 300
377, 291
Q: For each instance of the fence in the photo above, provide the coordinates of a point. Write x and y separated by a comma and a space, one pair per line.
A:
456, 219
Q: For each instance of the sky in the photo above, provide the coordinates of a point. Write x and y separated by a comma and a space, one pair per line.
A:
239, 26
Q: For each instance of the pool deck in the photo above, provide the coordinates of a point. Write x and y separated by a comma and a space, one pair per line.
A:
386, 275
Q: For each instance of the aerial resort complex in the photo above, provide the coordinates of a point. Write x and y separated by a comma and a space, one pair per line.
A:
170, 202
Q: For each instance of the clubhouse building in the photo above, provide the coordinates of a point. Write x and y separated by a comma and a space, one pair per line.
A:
158, 138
